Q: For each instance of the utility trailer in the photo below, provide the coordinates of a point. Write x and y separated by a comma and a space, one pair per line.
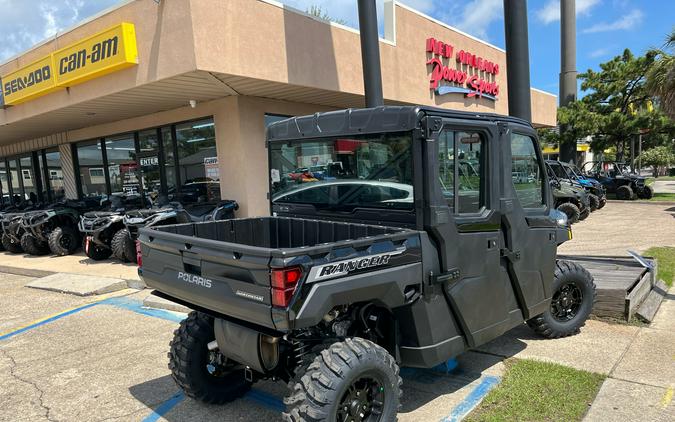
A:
422, 246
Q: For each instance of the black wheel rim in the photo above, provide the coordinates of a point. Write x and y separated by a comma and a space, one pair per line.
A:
566, 302
65, 241
363, 401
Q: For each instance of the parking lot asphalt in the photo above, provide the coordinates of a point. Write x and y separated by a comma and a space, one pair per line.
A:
68, 358
620, 226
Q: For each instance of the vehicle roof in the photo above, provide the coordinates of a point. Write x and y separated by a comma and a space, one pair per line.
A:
299, 188
354, 121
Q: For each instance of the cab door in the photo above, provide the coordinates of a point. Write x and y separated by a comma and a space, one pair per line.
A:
529, 234
467, 226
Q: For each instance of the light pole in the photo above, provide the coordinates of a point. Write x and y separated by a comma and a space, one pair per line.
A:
568, 71
517, 58
370, 53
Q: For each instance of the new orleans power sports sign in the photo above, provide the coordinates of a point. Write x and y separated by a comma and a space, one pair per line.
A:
97, 55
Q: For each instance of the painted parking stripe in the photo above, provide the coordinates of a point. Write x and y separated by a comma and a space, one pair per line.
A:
135, 305
266, 399
46, 320
165, 407
473, 399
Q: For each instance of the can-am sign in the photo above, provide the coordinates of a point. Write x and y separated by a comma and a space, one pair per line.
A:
471, 75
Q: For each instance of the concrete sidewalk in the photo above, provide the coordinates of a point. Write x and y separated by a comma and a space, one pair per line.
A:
79, 263
641, 385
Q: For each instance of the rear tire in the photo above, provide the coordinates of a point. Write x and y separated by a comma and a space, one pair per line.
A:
9, 245
624, 193
64, 241
123, 247
32, 246
571, 210
571, 304
603, 202
646, 193
594, 202
189, 361
584, 214
350, 377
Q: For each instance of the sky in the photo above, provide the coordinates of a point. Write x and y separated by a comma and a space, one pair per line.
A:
604, 27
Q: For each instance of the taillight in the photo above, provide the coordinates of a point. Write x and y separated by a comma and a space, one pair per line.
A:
139, 255
86, 244
284, 281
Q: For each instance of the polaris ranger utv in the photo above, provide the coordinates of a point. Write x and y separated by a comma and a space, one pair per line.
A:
592, 186
617, 179
406, 265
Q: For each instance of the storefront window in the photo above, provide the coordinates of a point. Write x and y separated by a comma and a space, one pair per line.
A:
148, 160
16, 183
92, 175
122, 165
28, 176
197, 162
55, 174
4, 184
169, 162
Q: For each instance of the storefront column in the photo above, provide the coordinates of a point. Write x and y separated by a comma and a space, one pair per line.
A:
68, 171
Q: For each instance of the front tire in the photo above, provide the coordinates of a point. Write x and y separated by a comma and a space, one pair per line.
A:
123, 247
9, 245
64, 241
624, 193
571, 304
32, 246
350, 378
603, 202
646, 193
571, 210
594, 202
191, 364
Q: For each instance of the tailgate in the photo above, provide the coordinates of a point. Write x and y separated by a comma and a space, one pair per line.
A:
223, 277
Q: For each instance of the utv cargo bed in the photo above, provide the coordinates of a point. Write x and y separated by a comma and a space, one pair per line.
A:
224, 266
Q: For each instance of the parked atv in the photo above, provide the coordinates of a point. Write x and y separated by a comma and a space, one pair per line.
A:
563, 172
573, 201
100, 227
618, 179
124, 241
55, 229
10, 222
592, 185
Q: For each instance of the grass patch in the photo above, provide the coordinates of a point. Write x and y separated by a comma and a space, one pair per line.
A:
650, 180
666, 261
666, 197
539, 391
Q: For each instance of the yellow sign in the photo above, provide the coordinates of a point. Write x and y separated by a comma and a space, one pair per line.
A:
100, 54
554, 149
29, 82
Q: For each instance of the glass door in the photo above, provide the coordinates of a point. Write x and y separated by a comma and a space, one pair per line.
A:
149, 164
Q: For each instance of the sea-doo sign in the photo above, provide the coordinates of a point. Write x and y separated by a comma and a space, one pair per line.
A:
461, 71
108, 51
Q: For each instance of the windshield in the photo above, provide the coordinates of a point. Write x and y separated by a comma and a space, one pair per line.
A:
558, 170
344, 173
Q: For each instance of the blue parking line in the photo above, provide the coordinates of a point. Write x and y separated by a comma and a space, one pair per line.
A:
47, 320
473, 399
266, 399
136, 306
165, 407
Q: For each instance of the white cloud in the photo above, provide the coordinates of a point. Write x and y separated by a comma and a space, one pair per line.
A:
601, 52
26, 23
551, 11
475, 17
629, 21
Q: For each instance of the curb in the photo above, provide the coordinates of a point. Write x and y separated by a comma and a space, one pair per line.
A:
26, 271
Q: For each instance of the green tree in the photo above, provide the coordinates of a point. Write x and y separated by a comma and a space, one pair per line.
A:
659, 158
318, 12
617, 106
661, 76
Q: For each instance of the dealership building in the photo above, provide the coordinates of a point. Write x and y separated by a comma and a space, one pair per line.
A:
155, 97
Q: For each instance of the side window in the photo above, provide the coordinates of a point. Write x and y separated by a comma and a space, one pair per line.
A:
526, 171
461, 170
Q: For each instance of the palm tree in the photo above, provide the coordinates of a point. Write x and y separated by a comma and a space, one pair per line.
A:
661, 77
